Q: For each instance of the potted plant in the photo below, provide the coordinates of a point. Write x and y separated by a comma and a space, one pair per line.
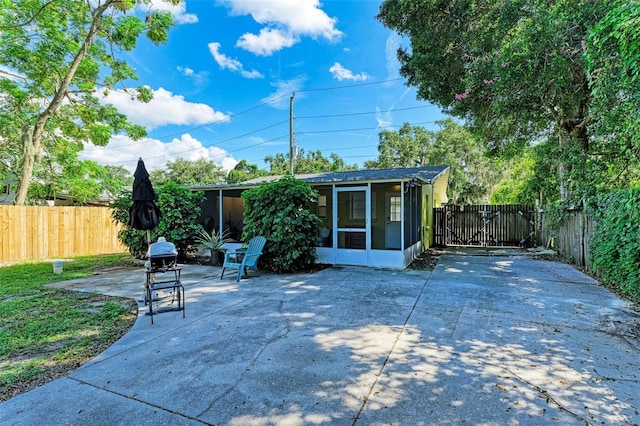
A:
214, 242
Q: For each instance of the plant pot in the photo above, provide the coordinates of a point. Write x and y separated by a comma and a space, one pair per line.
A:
215, 258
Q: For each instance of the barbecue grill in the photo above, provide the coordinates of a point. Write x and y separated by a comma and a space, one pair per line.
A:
163, 259
162, 255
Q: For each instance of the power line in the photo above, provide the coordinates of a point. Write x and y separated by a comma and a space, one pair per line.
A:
363, 113
267, 102
362, 128
350, 148
228, 118
189, 150
215, 142
350, 85
283, 136
260, 143
356, 156
275, 124
246, 134
260, 105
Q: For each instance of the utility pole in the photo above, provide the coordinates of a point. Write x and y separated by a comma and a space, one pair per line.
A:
291, 150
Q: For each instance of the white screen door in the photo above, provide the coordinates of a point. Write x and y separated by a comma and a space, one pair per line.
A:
393, 224
352, 224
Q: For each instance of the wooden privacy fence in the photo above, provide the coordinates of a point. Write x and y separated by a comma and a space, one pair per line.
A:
484, 225
571, 240
43, 232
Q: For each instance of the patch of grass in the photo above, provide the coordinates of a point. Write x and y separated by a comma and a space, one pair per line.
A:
44, 332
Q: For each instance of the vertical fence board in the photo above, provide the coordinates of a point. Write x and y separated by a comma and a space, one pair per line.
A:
30, 231
80, 242
4, 242
11, 234
43, 249
91, 222
69, 223
44, 232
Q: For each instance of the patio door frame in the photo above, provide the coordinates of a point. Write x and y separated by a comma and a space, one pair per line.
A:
349, 256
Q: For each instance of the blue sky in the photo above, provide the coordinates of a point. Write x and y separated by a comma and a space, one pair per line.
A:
223, 82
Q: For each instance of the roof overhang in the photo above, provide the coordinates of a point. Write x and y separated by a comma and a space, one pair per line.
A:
423, 175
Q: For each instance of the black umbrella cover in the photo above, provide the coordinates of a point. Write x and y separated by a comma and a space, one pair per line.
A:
144, 214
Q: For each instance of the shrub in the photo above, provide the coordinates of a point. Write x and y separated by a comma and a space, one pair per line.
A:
278, 211
180, 210
615, 243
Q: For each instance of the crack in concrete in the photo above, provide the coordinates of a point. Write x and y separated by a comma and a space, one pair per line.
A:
388, 355
252, 361
133, 398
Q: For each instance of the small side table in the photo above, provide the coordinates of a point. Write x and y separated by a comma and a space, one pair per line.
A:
239, 254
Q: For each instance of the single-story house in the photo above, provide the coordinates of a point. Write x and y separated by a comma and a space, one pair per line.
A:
380, 218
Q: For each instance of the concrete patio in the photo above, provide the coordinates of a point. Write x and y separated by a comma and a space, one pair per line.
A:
493, 339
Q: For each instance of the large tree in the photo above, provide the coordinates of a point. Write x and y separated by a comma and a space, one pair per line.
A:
86, 181
312, 162
612, 52
473, 173
244, 171
514, 69
407, 147
531, 177
57, 58
186, 172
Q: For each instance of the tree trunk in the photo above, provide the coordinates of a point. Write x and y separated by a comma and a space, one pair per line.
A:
30, 153
562, 178
32, 139
576, 139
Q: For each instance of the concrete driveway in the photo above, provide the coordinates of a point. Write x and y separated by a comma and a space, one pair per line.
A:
480, 340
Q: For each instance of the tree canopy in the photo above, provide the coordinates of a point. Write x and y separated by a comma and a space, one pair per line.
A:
58, 58
244, 171
312, 162
407, 147
472, 173
186, 172
516, 72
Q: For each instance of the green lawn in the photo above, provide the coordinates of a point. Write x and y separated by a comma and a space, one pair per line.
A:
44, 332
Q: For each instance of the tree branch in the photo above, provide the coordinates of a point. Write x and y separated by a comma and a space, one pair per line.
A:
30, 20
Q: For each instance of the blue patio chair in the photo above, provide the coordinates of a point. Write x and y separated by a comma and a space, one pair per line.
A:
244, 259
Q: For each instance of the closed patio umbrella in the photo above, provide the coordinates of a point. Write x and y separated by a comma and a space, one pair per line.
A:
144, 214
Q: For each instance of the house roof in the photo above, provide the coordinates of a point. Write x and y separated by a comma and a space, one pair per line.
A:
426, 174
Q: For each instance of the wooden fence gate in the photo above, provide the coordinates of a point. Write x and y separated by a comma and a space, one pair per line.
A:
485, 225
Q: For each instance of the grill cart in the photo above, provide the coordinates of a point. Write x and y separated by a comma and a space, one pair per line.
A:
165, 295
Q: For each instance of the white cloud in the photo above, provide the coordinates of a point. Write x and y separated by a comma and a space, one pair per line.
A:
268, 41
288, 19
391, 55
222, 158
224, 62
198, 78
341, 73
186, 71
179, 11
122, 151
280, 98
383, 118
165, 108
